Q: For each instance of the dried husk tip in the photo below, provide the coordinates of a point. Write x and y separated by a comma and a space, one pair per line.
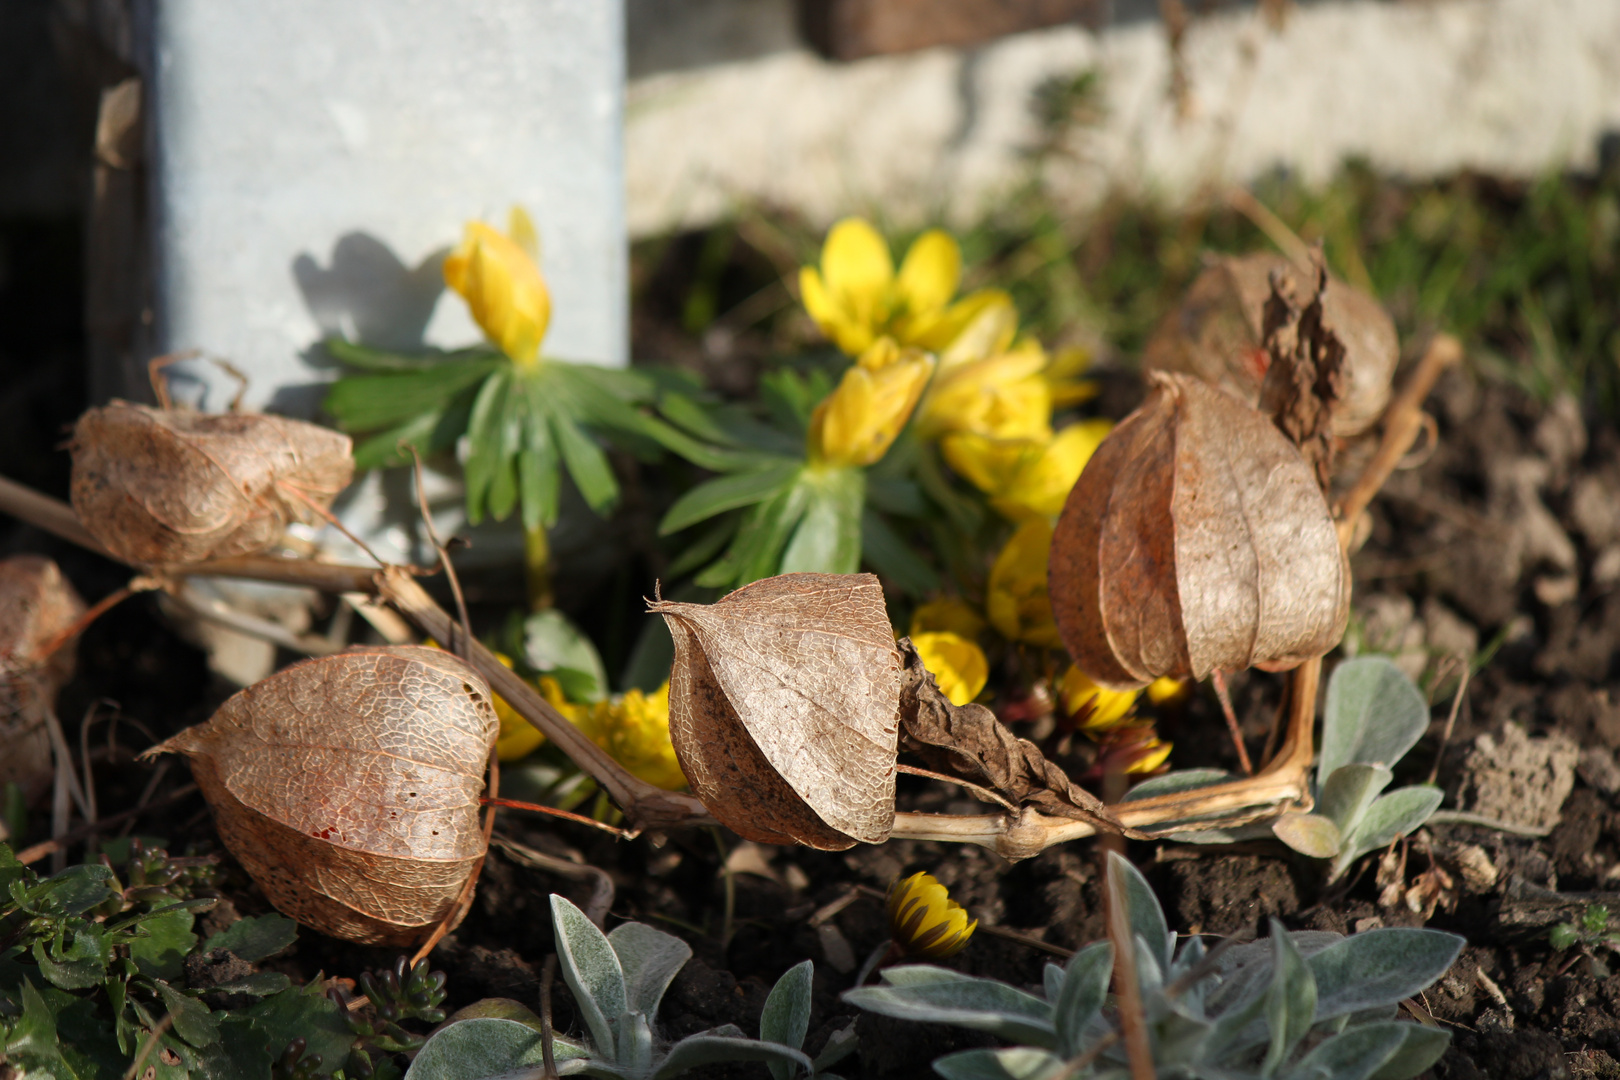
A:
347, 786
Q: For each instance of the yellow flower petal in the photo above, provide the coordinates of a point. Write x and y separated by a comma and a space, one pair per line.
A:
520, 227
858, 422
930, 273
957, 664
1017, 600
858, 271
999, 397
989, 330
1168, 691
950, 615
634, 728
1156, 751
504, 290
1098, 707
936, 331
924, 922
989, 464
849, 334
1041, 485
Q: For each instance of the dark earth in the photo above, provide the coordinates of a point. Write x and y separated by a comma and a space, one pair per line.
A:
1501, 543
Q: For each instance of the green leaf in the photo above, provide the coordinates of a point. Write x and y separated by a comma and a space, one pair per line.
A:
756, 550
478, 1047
701, 454
32, 1042
591, 969
1174, 782
81, 964
587, 465
1013, 1063
192, 1020
692, 418
729, 492
303, 1012
1420, 1049
709, 1049
828, 539
1374, 715
1355, 1054
483, 442
1085, 985
259, 984
553, 645
650, 960
364, 403
1308, 834
976, 1004
77, 889
786, 1018
367, 358
255, 938
1348, 791
893, 559
701, 550
1389, 816
1290, 999
537, 472
160, 952
242, 1053
1147, 918
502, 496
383, 450
1379, 967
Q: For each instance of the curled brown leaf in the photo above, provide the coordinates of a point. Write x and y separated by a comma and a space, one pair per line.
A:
37, 605
968, 741
348, 787
174, 486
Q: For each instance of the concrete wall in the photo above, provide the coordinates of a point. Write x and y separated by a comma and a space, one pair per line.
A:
1420, 87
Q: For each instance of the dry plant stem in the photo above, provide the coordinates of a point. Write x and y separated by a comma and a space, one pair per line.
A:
602, 891
211, 610
566, 815
328, 577
1276, 230
1218, 680
1128, 990
1402, 424
983, 792
1451, 720
52, 515
30, 855
100, 608
646, 806
548, 975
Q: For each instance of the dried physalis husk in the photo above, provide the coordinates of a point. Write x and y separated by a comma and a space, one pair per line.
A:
348, 787
1217, 333
783, 708
37, 605
174, 486
1196, 540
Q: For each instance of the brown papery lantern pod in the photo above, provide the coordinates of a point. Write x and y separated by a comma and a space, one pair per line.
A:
175, 486
783, 708
347, 786
37, 606
1196, 540
1218, 333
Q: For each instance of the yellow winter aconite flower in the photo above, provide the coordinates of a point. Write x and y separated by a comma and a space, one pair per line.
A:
924, 922
1003, 396
1097, 708
634, 728
1168, 691
518, 737
951, 615
957, 664
499, 276
1017, 601
858, 422
856, 297
1152, 752
1024, 477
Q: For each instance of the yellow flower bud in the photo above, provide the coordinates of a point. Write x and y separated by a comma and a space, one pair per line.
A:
1168, 691
924, 922
1097, 708
957, 664
858, 422
1025, 477
502, 285
999, 397
1017, 601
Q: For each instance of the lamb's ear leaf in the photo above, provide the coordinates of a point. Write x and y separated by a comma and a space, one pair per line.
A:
1013, 1063
478, 1046
1348, 791
1085, 984
1147, 917
786, 1018
591, 969
1379, 967
1355, 1054
1309, 834
1374, 715
1422, 1048
1389, 816
650, 960
708, 1048
964, 1001
1290, 999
